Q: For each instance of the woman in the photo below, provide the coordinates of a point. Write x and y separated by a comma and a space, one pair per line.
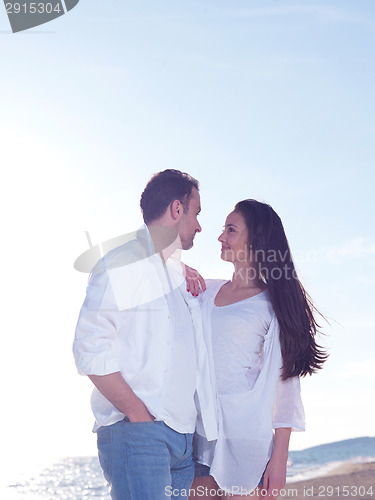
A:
260, 328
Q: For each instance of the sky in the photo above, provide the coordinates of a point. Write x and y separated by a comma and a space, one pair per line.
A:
268, 99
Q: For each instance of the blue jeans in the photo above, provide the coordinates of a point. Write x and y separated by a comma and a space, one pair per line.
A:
145, 460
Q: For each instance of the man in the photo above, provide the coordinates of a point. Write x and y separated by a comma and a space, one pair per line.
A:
138, 338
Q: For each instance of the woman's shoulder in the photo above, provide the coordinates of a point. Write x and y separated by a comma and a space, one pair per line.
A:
212, 287
212, 283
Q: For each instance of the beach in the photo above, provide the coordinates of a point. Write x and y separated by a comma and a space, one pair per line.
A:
349, 480
75, 478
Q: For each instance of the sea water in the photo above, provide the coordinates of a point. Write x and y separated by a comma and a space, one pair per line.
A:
70, 478
78, 478
319, 460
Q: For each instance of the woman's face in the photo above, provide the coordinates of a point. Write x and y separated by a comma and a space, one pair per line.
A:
234, 239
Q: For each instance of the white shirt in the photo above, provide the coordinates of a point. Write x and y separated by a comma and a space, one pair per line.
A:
137, 319
252, 399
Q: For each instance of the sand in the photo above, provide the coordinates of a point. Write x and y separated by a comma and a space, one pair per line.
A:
349, 481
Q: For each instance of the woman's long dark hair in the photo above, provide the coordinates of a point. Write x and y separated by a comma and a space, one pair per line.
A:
292, 305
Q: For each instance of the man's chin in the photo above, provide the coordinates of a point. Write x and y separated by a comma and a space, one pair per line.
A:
186, 245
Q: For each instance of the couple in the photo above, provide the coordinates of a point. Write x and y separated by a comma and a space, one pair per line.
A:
168, 367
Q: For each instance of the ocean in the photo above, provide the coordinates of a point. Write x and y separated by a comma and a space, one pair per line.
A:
315, 461
79, 478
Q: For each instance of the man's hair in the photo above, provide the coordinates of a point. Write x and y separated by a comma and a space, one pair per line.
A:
162, 189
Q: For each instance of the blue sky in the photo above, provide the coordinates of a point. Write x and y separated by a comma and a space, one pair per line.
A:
271, 100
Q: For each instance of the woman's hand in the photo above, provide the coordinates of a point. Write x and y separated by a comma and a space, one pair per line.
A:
194, 282
274, 478
275, 474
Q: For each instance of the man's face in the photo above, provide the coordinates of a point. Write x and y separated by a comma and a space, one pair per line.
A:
188, 225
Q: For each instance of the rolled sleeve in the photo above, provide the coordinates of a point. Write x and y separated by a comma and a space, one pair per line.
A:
288, 409
96, 330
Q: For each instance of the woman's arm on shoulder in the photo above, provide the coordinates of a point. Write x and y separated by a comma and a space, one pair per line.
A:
195, 283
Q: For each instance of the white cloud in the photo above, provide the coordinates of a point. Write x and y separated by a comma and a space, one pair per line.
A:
355, 248
358, 322
325, 12
365, 368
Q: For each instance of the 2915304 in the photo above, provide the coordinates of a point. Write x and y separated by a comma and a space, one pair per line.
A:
33, 8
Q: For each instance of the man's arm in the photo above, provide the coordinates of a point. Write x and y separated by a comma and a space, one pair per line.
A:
118, 392
96, 333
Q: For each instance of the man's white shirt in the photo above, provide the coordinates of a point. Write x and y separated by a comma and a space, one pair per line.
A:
138, 319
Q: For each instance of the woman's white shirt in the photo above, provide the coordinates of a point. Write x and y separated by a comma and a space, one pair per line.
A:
237, 342
251, 398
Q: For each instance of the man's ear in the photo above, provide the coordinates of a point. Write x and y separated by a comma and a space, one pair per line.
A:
177, 209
